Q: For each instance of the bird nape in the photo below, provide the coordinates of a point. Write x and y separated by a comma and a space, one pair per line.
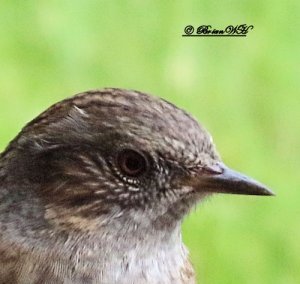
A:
95, 188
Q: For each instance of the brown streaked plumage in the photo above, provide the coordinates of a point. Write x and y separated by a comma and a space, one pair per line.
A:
94, 190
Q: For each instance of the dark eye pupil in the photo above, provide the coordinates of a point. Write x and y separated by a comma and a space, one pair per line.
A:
132, 163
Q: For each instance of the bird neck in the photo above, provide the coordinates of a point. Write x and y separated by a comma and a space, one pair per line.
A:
125, 254
133, 247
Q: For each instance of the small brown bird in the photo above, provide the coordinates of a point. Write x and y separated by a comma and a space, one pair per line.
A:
95, 188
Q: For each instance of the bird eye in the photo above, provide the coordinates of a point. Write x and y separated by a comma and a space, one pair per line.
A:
131, 163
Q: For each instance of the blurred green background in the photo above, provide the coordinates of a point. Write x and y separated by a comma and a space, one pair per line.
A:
244, 90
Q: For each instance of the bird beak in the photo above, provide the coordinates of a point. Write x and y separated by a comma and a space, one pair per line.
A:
221, 179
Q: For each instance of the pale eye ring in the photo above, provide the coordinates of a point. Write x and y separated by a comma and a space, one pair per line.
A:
132, 163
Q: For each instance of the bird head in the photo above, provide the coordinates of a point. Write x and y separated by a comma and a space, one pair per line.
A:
118, 154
